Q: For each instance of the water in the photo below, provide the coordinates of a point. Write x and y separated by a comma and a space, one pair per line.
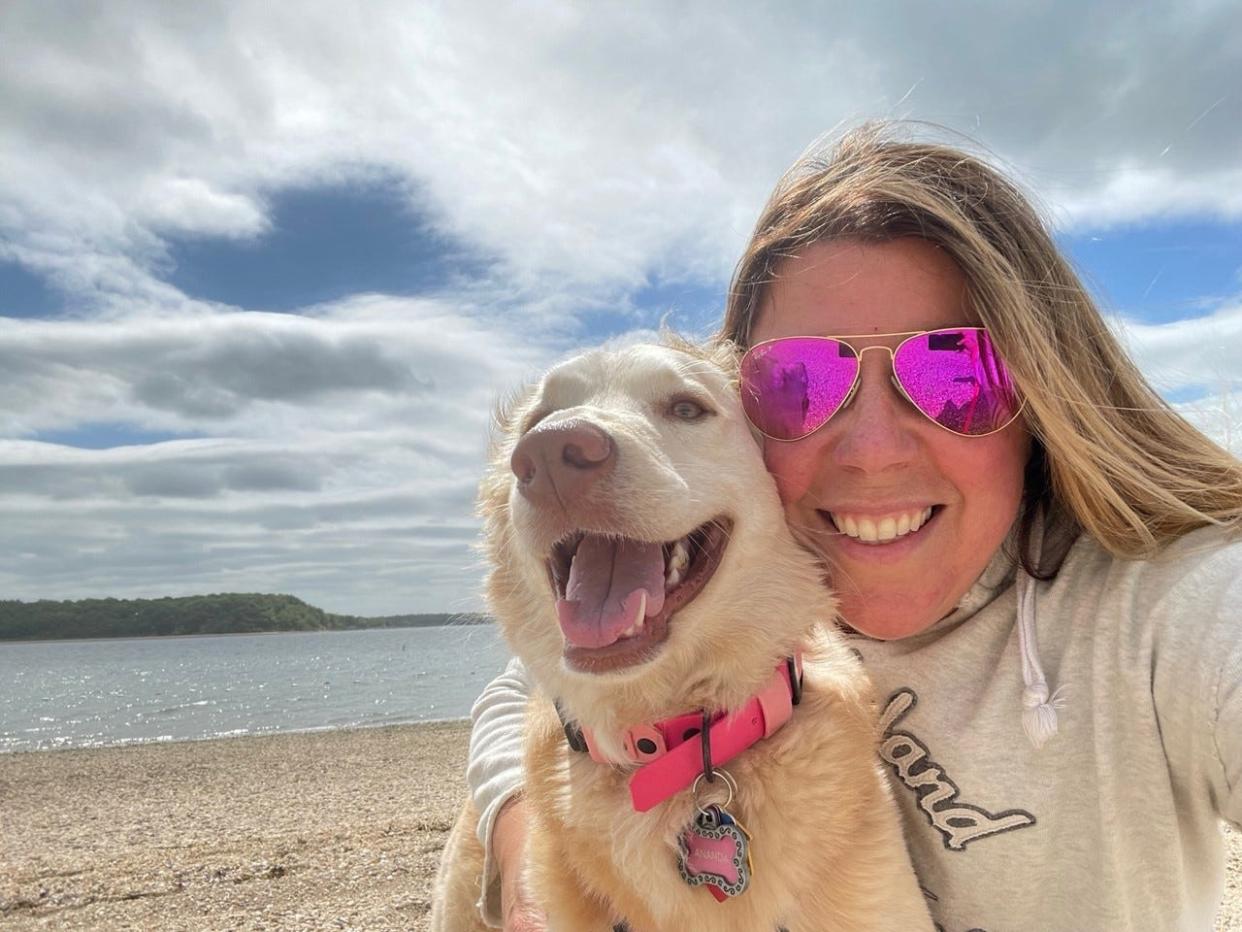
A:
63, 694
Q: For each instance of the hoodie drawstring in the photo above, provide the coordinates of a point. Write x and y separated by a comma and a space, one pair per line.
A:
1039, 707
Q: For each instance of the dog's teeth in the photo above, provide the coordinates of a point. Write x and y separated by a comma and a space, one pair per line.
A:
680, 557
641, 618
637, 627
678, 560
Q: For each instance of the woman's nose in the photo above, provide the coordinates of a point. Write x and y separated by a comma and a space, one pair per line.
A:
874, 432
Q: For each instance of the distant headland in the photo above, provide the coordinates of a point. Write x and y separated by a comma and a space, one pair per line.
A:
225, 613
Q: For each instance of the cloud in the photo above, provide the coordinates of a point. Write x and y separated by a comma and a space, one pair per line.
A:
191, 205
590, 148
1198, 355
369, 360
591, 155
1193, 363
1145, 193
1220, 417
363, 556
341, 452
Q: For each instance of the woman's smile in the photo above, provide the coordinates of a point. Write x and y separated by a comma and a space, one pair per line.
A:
891, 538
884, 527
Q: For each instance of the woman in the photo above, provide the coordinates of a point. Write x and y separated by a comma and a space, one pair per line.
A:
957, 518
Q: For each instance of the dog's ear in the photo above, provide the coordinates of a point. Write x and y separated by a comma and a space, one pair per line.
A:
493, 498
720, 353
726, 354
507, 417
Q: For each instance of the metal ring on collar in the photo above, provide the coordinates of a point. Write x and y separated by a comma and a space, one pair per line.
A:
730, 785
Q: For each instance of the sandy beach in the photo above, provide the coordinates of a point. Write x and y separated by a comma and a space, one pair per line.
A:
331, 830
334, 830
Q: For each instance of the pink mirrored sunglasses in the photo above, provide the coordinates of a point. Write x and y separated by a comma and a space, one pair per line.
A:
792, 386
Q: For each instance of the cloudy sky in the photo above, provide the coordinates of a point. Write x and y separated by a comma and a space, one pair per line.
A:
264, 268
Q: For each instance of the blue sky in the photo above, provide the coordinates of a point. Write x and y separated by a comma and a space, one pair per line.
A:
262, 276
325, 243
1161, 271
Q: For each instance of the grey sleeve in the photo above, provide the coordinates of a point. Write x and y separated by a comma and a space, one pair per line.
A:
1197, 678
494, 771
1228, 730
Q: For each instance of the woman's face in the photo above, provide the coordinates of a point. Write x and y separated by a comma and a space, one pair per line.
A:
878, 459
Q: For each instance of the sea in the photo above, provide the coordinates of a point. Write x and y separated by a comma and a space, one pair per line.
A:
115, 691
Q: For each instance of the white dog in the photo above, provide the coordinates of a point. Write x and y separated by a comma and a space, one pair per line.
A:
643, 571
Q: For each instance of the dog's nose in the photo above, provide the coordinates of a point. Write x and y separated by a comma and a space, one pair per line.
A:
560, 463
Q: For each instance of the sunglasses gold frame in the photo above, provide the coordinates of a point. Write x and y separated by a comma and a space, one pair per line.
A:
892, 365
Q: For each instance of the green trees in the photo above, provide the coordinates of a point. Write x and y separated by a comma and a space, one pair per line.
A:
225, 613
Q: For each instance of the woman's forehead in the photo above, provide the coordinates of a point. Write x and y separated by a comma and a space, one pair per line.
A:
851, 287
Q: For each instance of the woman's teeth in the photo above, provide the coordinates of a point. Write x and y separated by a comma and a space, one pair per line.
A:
880, 530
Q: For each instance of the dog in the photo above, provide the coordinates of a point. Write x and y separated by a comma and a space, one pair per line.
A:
641, 567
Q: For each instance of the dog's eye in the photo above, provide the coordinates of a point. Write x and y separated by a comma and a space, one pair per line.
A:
686, 409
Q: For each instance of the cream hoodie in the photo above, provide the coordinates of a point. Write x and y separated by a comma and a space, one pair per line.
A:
1114, 824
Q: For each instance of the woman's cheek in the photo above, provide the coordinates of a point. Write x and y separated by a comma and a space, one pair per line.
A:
791, 468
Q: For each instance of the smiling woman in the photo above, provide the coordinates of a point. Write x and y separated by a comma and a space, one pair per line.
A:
879, 461
1055, 495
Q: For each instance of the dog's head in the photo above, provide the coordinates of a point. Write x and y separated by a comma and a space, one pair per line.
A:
637, 543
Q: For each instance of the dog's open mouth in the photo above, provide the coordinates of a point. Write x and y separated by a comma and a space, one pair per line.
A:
615, 595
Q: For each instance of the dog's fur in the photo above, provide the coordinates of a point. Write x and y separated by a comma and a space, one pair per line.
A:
826, 845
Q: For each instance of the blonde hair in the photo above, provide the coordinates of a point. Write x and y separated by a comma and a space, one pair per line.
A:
1109, 456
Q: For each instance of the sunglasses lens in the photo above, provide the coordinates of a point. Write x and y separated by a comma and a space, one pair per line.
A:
956, 378
791, 387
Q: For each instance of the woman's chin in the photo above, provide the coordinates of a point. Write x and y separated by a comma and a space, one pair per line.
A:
886, 629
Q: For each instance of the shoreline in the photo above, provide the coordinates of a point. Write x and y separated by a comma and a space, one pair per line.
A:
325, 829
318, 729
233, 634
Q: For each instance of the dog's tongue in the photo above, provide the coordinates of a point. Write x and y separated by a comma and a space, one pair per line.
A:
607, 580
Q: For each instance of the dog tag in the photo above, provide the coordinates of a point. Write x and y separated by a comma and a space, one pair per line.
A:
714, 851
726, 818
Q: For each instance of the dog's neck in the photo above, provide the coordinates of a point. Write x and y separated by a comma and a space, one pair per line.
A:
648, 741
611, 708
672, 753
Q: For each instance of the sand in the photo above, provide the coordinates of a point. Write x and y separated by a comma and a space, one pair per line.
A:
335, 830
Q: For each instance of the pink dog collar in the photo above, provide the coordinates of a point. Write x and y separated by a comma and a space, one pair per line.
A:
671, 758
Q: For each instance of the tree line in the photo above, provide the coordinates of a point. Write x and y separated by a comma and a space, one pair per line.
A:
225, 613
